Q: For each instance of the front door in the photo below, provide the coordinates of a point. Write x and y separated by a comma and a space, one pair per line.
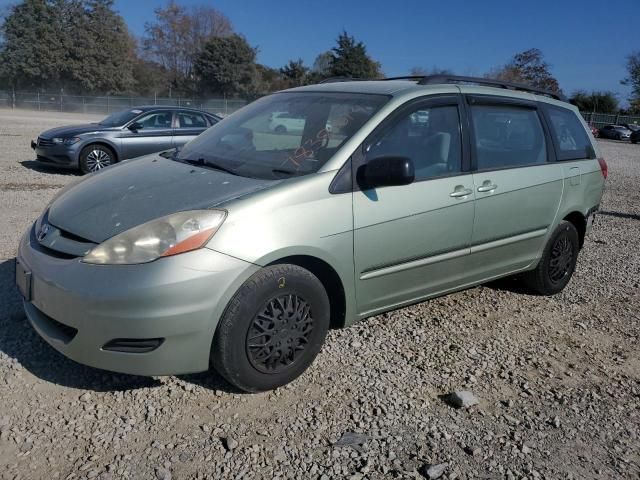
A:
412, 241
154, 134
518, 191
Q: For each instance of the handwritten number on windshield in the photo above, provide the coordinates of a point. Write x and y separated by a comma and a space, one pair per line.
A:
309, 148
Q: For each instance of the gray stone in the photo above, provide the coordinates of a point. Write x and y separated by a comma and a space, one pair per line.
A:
462, 399
163, 474
433, 471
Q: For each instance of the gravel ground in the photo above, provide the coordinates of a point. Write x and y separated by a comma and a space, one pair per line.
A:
557, 379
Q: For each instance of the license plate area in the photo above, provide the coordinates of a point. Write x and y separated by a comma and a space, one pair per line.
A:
23, 280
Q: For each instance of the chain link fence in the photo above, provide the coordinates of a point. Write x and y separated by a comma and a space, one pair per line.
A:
108, 104
599, 120
104, 105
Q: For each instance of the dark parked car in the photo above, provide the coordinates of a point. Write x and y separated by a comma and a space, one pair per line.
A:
616, 132
122, 135
635, 136
631, 126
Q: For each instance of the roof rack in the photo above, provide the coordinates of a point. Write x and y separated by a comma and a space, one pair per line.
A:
438, 79
340, 79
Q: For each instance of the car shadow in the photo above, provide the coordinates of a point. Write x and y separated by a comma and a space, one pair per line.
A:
45, 168
512, 284
632, 216
19, 341
211, 380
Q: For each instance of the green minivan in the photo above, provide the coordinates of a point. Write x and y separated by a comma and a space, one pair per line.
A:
240, 250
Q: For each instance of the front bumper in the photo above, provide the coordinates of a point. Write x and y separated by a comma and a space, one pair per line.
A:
79, 308
58, 155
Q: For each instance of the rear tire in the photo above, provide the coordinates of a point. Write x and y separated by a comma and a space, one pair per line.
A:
558, 261
96, 157
281, 129
272, 329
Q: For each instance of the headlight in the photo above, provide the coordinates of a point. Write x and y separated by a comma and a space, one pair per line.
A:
177, 233
66, 141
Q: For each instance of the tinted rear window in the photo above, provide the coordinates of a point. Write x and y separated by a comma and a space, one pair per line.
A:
570, 137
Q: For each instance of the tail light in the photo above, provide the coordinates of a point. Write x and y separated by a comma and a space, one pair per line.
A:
603, 167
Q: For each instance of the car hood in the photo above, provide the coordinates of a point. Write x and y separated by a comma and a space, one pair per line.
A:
136, 191
71, 130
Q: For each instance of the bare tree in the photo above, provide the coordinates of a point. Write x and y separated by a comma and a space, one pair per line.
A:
527, 67
178, 36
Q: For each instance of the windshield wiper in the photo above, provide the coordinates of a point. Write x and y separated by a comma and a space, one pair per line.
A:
283, 171
200, 162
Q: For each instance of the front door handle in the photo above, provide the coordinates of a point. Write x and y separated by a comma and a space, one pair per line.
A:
487, 186
460, 191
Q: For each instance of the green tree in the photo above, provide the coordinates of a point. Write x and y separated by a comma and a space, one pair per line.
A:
32, 50
633, 80
599, 102
149, 78
295, 73
77, 45
528, 67
227, 65
349, 58
100, 52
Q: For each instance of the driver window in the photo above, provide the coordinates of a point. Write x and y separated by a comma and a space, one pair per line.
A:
156, 120
428, 136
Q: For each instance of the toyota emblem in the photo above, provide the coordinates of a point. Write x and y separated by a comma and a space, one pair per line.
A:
43, 232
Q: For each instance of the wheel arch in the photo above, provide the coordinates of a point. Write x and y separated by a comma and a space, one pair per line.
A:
102, 143
330, 280
580, 222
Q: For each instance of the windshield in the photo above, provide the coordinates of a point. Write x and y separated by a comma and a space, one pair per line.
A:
283, 135
120, 118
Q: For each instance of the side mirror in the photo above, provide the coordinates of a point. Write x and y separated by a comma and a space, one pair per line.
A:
386, 171
135, 126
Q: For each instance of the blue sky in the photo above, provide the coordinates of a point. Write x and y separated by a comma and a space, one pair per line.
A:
585, 41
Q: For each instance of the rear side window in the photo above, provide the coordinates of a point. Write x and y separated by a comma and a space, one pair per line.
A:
572, 141
191, 120
507, 136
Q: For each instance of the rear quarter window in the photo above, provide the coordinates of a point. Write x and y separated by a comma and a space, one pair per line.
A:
570, 137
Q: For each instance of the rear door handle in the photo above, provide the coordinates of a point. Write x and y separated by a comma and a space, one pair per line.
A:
461, 192
487, 186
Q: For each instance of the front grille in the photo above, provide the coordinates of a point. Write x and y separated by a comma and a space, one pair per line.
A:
45, 142
67, 246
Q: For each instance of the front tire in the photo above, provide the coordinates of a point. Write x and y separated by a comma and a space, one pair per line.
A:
96, 157
272, 329
558, 261
281, 129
